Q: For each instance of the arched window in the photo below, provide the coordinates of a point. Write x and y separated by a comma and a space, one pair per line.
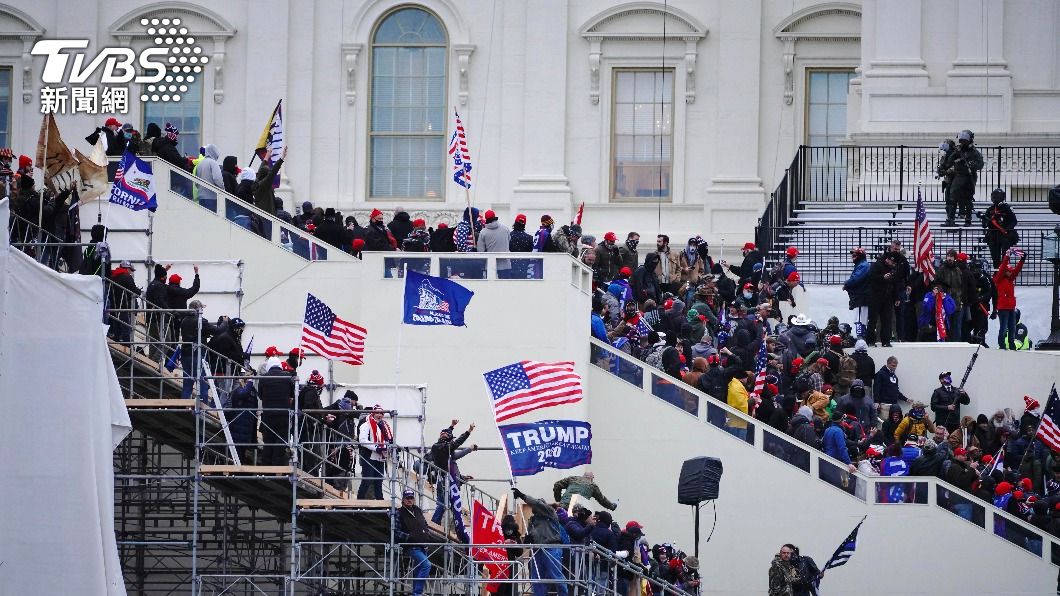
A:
408, 106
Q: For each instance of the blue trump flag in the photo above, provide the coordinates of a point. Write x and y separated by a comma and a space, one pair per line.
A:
434, 300
534, 446
134, 184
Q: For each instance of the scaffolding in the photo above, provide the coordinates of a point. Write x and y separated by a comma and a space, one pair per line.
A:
198, 511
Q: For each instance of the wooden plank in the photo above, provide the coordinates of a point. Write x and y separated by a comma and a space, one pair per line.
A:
502, 507
160, 403
249, 470
573, 501
343, 503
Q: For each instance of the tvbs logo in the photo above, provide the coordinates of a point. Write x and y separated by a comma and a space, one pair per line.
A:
119, 64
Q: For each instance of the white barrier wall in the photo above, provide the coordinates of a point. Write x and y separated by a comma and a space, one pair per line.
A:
640, 442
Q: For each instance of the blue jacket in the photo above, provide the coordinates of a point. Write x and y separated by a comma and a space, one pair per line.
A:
596, 326
857, 285
834, 443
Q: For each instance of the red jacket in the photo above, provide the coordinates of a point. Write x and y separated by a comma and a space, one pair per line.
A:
1005, 282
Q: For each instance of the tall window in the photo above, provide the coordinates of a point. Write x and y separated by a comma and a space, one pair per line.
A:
408, 114
185, 115
5, 107
826, 111
642, 137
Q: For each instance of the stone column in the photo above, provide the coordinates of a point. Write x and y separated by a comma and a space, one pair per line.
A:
542, 186
735, 196
896, 60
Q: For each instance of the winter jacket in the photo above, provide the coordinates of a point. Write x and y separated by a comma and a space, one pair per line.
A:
400, 226
866, 368
673, 259
156, 294
276, 389
737, 398
563, 490
462, 236
630, 258
834, 443
228, 347
444, 452
857, 286
961, 475
864, 409
244, 424
377, 237
115, 141
177, 297
801, 429
885, 387
950, 274
746, 269
608, 263
644, 283
494, 237
166, 150
817, 402
941, 399
695, 264
1005, 283
908, 426
332, 232
543, 526
264, 196
890, 423
125, 290
410, 526
189, 329
209, 169
230, 174
964, 436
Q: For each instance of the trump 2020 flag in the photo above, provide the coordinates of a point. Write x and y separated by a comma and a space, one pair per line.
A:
134, 184
534, 446
434, 300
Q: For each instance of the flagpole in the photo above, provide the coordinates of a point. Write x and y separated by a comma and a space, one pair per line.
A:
1040, 420
40, 203
401, 327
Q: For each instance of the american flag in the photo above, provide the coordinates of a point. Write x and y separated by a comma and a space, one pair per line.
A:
923, 241
526, 386
1048, 432
760, 370
461, 158
331, 337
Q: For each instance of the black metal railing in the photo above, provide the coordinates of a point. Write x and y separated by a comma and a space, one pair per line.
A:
875, 174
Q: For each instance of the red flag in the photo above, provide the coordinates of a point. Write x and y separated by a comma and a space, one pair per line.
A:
578, 220
940, 317
485, 529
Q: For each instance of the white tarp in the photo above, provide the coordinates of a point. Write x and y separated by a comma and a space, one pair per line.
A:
63, 417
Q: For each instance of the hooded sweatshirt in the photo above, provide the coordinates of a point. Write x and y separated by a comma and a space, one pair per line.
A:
209, 169
230, 173
494, 238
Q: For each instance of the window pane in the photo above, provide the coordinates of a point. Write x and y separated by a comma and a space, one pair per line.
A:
837, 119
818, 124
624, 118
818, 87
410, 26
5, 107
624, 87
837, 87
644, 87
185, 115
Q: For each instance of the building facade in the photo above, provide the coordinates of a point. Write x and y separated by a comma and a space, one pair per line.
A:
677, 117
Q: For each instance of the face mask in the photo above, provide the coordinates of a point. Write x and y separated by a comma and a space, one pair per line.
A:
747, 295
947, 380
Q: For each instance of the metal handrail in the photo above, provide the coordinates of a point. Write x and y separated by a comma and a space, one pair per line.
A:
870, 481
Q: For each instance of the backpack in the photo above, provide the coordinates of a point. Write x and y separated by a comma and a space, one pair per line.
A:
848, 371
654, 358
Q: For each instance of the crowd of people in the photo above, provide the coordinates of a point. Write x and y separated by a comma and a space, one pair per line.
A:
719, 327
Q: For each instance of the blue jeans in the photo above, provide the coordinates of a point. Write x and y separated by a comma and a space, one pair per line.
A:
441, 495
421, 569
956, 326
599, 577
1007, 318
187, 365
740, 433
372, 481
546, 565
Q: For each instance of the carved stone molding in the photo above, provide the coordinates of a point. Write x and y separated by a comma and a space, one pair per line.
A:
789, 31
624, 23
350, 53
463, 64
218, 60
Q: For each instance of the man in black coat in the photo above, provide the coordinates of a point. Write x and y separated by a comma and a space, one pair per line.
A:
276, 390
401, 225
226, 356
123, 297
156, 299
115, 137
644, 283
410, 529
376, 235
444, 454
193, 330
882, 295
746, 268
331, 231
1000, 226
946, 402
165, 147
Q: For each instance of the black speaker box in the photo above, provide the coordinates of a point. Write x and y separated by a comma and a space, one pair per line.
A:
699, 480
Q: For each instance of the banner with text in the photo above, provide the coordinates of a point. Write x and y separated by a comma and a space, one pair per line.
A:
534, 446
486, 529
